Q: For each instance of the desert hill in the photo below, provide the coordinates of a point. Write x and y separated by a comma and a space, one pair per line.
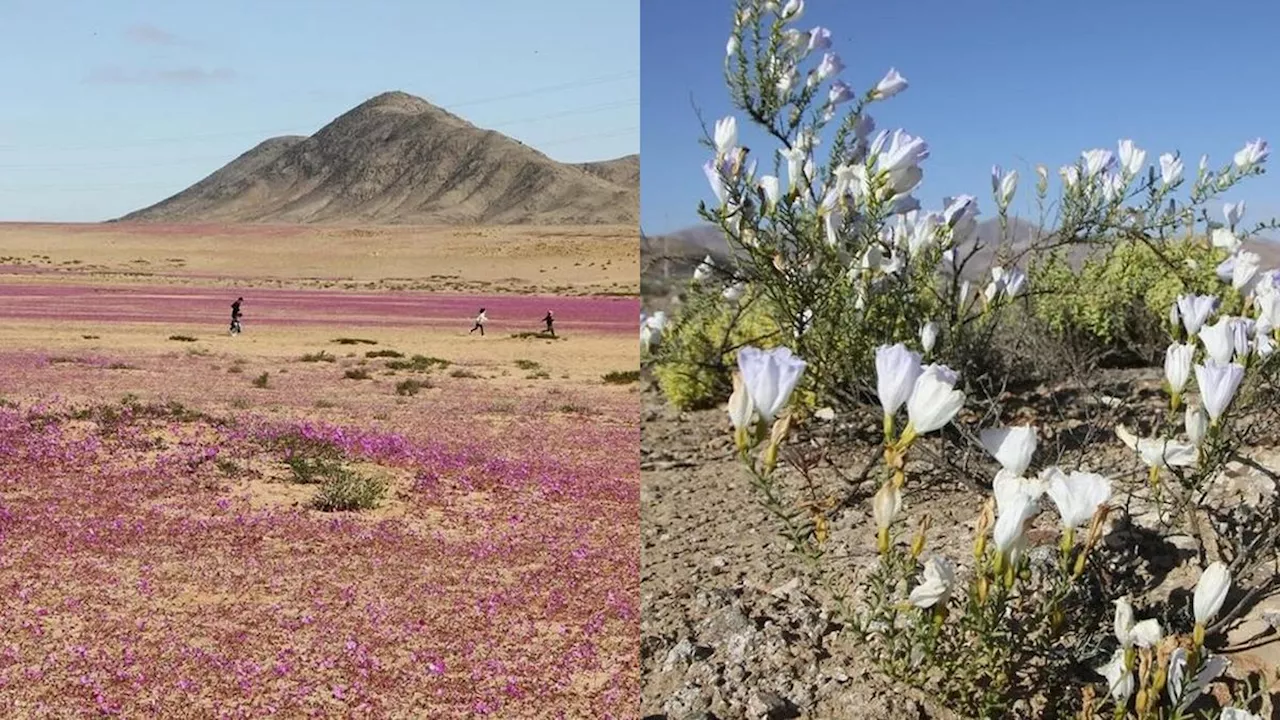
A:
397, 159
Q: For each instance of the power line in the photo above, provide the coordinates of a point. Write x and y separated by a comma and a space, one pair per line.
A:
298, 130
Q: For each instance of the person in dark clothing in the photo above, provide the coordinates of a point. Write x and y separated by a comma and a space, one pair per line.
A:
235, 316
481, 319
549, 320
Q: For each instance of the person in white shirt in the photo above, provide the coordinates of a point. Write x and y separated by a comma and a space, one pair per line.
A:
481, 319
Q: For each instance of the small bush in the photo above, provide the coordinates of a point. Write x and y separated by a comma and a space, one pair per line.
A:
235, 369
357, 374
121, 366
345, 490
384, 354
262, 380
418, 363
321, 356
312, 470
698, 351
622, 377
539, 375
182, 338
354, 341
411, 386
463, 373
527, 365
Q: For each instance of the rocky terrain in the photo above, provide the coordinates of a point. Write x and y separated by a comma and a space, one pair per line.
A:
735, 626
397, 159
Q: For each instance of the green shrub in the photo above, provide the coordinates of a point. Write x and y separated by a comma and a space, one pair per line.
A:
418, 363
321, 356
262, 380
1121, 296
622, 377
357, 374
345, 490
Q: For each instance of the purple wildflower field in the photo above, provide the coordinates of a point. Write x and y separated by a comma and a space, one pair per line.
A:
158, 560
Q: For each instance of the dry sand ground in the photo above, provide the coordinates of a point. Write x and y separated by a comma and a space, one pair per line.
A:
485, 261
554, 260
732, 625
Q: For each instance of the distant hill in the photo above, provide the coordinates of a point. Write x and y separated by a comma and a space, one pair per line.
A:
398, 159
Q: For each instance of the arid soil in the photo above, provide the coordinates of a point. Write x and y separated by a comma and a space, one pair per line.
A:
524, 260
735, 626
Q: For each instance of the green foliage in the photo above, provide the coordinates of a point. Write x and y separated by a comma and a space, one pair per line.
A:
349, 491
622, 377
1121, 296
697, 352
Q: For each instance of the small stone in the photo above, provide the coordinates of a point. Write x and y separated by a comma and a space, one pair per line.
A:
766, 705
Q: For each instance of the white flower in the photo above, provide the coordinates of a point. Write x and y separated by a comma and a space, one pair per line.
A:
1077, 496
731, 46
1268, 311
716, 180
1253, 153
734, 292
1131, 158
1245, 271
1012, 447
1195, 309
1218, 383
769, 186
897, 369
1010, 489
1070, 175
1182, 698
1211, 592
726, 135
704, 269
1224, 238
793, 10
1177, 365
1003, 185
891, 84
934, 400
830, 65
795, 158
1166, 454
935, 589
929, 336
1196, 423
740, 407
1237, 714
1011, 520
1119, 680
1219, 340
1170, 169
886, 505
1096, 161
897, 153
770, 376
1232, 212
1145, 634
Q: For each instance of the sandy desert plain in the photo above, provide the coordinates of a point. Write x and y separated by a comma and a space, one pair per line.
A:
172, 538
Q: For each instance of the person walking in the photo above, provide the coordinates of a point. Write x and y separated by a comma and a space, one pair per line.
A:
481, 319
549, 320
235, 316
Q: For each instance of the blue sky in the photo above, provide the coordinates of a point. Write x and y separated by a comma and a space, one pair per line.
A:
112, 106
1013, 83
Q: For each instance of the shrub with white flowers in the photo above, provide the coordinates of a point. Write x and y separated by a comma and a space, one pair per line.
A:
876, 318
